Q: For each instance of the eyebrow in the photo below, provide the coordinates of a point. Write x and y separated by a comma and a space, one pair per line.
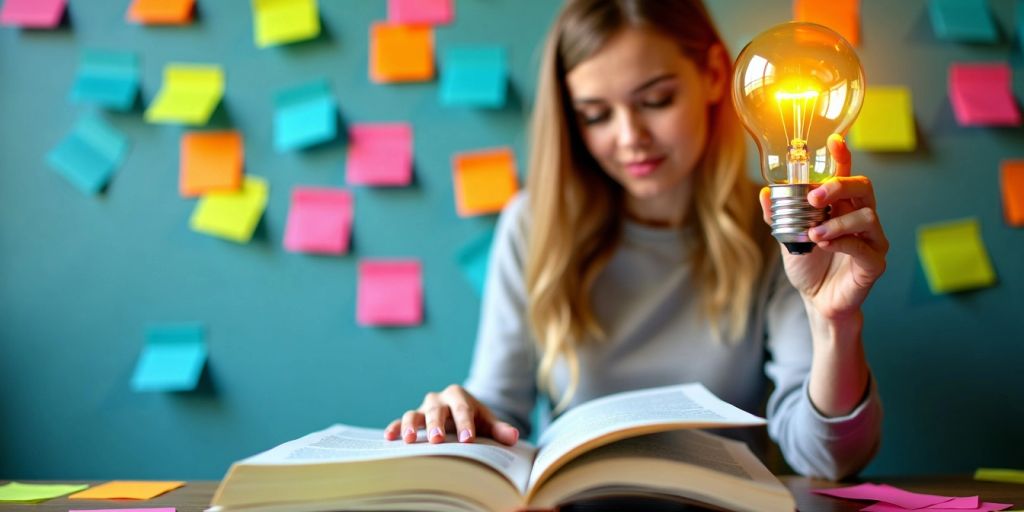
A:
650, 83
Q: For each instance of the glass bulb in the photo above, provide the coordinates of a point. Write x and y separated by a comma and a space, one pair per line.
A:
794, 85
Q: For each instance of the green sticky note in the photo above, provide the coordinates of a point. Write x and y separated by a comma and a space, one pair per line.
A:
35, 493
967, 21
232, 215
189, 95
1015, 476
885, 122
474, 258
172, 359
284, 21
954, 257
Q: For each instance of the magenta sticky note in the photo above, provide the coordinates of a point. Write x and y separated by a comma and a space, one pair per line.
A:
379, 154
319, 220
164, 509
982, 95
885, 493
390, 293
33, 13
941, 507
420, 12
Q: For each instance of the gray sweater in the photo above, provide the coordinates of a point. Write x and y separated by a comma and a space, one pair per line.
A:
656, 335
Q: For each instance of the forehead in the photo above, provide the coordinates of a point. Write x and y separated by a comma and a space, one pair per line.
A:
628, 59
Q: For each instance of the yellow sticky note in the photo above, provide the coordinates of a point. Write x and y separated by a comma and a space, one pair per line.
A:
954, 257
484, 181
1000, 475
189, 95
401, 53
886, 121
284, 21
232, 215
126, 490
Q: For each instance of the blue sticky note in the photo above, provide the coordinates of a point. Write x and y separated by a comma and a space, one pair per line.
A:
474, 258
968, 21
88, 155
107, 78
304, 116
172, 359
474, 77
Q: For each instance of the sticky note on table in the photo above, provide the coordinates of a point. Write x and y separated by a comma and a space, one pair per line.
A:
32, 13
484, 181
886, 121
885, 493
420, 12
953, 506
379, 154
1000, 475
474, 258
172, 359
401, 53
107, 78
232, 215
1011, 181
843, 16
390, 293
88, 156
210, 162
967, 21
954, 257
474, 77
982, 94
319, 220
161, 12
34, 493
278, 22
304, 116
189, 95
158, 509
126, 490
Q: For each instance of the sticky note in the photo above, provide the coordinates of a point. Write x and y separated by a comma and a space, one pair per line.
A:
474, 258
484, 181
474, 77
127, 490
401, 53
277, 22
304, 116
1020, 23
967, 21
232, 215
107, 78
886, 121
843, 16
982, 95
210, 162
160, 509
319, 221
885, 493
172, 359
954, 257
379, 154
32, 13
189, 95
390, 293
422, 12
88, 156
161, 12
1011, 181
953, 506
35, 493
1000, 475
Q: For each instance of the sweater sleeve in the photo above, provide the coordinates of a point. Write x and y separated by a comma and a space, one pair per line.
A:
503, 372
813, 445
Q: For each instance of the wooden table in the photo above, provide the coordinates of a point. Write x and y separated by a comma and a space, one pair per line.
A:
196, 495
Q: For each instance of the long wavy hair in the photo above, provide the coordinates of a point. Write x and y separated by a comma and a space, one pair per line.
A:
576, 209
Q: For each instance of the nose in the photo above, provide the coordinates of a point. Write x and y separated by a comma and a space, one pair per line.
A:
632, 130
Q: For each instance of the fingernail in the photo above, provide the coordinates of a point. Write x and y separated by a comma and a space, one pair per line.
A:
464, 435
817, 231
435, 432
410, 432
818, 193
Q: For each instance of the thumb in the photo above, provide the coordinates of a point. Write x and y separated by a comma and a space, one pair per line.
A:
766, 205
840, 154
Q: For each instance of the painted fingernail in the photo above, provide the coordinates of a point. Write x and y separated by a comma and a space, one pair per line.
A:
435, 432
464, 435
410, 432
817, 231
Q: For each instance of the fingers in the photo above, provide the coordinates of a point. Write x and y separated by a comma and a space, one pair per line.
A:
412, 421
840, 154
766, 204
853, 188
862, 223
393, 430
464, 410
436, 413
869, 262
453, 406
504, 433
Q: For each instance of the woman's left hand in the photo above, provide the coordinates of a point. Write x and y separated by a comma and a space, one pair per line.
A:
850, 255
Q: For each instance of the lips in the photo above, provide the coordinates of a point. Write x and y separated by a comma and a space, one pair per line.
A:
641, 168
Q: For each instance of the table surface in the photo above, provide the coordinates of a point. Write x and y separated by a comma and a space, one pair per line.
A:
195, 496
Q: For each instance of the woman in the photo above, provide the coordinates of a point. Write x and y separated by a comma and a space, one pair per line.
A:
637, 257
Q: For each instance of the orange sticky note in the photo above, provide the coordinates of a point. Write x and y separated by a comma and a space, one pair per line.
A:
843, 16
1012, 181
484, 181
126, 490
161, 12
210, 162
401, 53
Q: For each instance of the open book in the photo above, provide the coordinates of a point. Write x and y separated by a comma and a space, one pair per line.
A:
637, 443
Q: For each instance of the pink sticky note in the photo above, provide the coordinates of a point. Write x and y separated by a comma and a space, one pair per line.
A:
983, 507
319, 221
164, 509
390, 292
423, 12
33, 13
885, 493
379, 154
981, 95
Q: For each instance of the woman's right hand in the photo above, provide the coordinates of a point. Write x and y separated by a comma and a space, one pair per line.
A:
453, 409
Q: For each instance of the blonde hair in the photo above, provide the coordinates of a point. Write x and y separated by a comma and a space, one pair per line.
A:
576, 210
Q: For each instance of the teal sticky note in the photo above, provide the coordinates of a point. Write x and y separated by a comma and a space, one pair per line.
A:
172, 359
1020, 24
474, 77
304, 116
88, 156
968, 21
107, 78
474, 258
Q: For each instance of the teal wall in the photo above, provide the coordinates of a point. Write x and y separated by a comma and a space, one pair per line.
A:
81, 277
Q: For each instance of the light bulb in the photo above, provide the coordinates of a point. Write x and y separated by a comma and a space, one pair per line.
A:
794, 85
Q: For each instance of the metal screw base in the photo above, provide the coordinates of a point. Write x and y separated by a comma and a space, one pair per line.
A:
792, 216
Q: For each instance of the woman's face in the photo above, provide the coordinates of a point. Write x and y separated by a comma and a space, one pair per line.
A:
642, 107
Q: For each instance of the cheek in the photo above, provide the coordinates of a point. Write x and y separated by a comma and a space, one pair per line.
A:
600, 142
